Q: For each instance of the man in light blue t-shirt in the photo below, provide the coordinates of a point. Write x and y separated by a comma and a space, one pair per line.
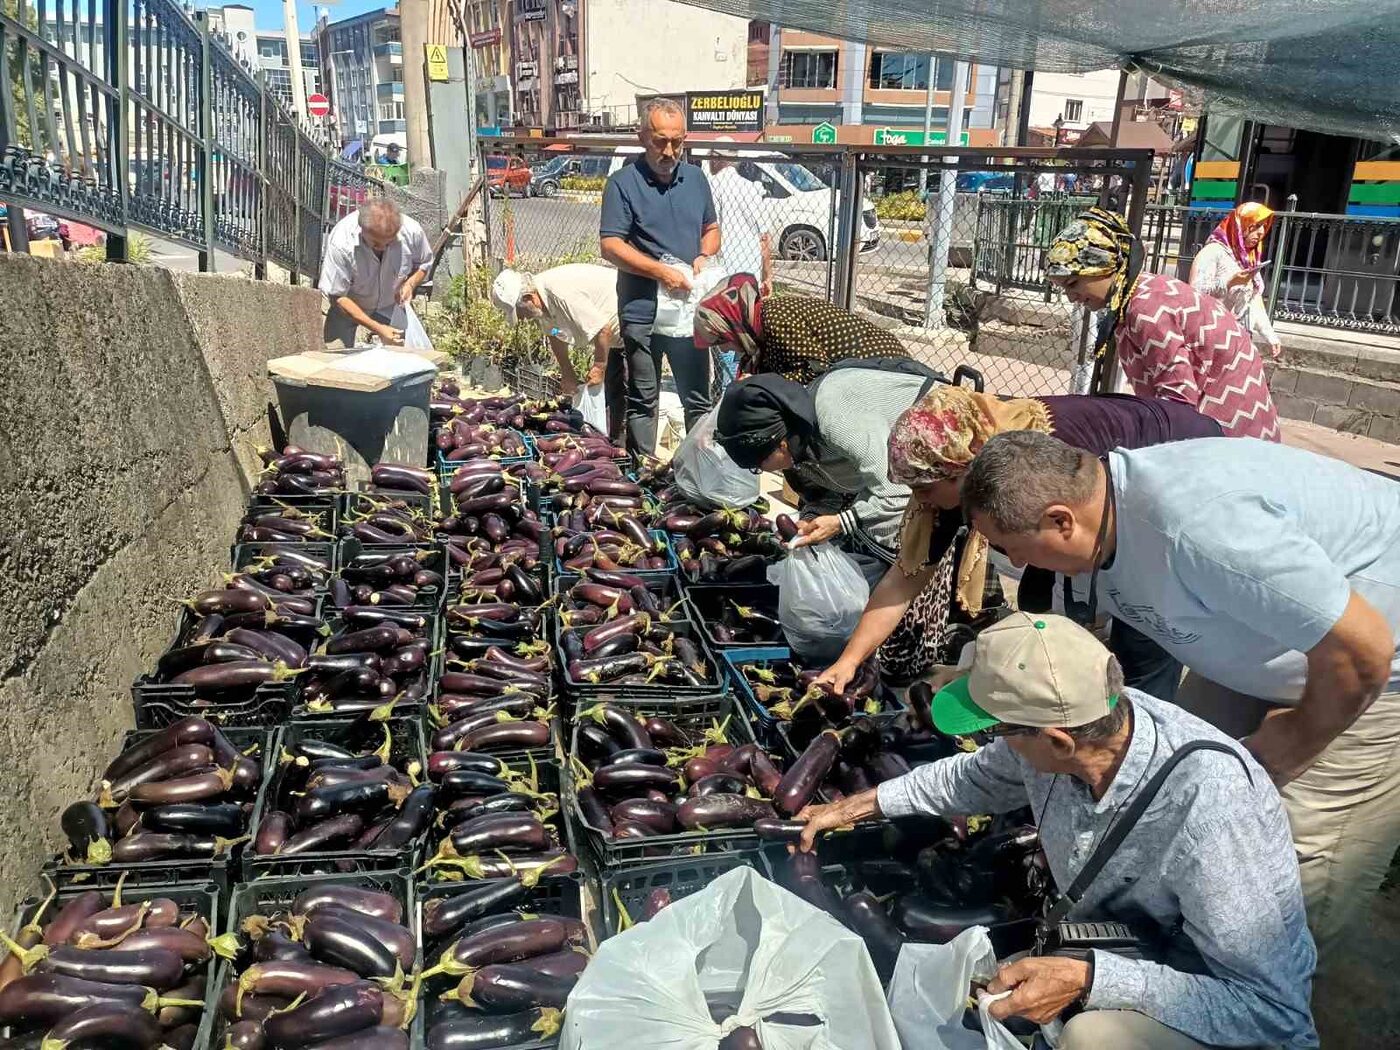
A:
1273, 574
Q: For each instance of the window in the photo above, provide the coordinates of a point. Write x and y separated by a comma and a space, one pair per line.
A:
943, 74
391, 111
893, 70
808, 69
1074, 110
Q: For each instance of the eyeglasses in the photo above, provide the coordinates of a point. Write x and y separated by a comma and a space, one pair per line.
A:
983, 737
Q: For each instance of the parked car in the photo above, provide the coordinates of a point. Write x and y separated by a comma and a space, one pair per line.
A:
43, 227
507, 175
545, 179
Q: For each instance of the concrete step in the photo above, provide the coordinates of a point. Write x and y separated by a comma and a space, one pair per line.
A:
1342, 400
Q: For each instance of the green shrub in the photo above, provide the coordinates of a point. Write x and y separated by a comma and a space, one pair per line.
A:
904, 206
138, 250
587, 183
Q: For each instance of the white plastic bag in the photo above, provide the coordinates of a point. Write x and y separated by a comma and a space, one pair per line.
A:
740, 939
821, 596
415, 336
592, 401
929, 989
675, 313
706, 475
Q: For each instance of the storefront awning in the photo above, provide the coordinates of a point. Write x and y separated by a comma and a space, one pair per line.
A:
1328, 65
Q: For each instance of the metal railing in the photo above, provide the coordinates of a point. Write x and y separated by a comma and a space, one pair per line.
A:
915, 276
1336, 271
136, 114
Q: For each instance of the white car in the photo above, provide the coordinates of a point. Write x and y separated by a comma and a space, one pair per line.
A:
801, 209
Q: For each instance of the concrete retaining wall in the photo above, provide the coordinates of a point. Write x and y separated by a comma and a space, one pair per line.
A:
133, 398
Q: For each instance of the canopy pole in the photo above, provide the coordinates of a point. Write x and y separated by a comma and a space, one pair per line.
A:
941, 236
1118, 107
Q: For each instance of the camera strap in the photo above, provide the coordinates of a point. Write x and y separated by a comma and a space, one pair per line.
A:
1125, 824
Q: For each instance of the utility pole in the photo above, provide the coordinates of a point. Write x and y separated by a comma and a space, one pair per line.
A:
413, 28
292, 32
941, 240
928, 123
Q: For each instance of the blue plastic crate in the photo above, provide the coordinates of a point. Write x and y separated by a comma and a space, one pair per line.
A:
765, 726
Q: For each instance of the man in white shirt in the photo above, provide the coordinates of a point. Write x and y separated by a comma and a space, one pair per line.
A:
375, 258
577, 306
745, 243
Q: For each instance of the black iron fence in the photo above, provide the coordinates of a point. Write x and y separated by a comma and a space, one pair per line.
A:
905, 263
137, 114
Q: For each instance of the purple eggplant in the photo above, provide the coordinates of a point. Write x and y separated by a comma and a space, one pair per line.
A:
376, 904
335, 1012
507, 987
806, 774
721, 811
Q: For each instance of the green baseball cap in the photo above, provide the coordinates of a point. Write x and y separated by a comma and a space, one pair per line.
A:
1027, 670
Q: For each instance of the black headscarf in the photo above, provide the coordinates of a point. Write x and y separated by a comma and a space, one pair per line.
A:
759, 412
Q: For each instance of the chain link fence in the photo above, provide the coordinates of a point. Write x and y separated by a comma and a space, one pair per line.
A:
137, 114
886, 233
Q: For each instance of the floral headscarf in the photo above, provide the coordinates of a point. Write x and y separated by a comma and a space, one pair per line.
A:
1231, 232
732, 316
1098, 243
935, 440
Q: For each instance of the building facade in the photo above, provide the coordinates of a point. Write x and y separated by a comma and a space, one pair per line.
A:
360, 61
488, 25
863, 91
273, 60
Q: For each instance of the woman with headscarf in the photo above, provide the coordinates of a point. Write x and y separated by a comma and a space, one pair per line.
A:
1229, 268
1174, 343
792, 335
832, 456
941, 570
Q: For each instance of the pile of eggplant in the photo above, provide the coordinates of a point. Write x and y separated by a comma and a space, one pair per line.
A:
726, 546
332, 969
374, 518
296, 472
638, 777
458, 439
591, 601
375, 659
501, 410
738, 614
332, 793
288, 570
180, 793
926, 880
639, 648
490, 530
284, 523
401, 477
494, 821
786, 691
408, 577
504, 966
496, 701
585, 474
97, 971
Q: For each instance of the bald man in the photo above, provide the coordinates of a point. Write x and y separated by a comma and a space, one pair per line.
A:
375, 258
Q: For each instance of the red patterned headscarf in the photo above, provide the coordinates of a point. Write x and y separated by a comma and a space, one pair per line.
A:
732, 317
1231, 231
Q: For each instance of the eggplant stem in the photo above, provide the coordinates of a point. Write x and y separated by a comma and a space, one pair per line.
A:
33, 925
117, 890
28, 957
225, 946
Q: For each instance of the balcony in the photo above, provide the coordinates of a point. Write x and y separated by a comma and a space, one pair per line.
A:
392, 51
391, 90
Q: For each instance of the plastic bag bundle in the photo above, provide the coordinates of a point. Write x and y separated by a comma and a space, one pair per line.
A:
675, 314
706, 475
928, 994
821, 595
592, 403
741, 941
415, 336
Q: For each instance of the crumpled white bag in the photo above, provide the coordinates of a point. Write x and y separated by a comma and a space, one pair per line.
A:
706, 475
821, 597
741, 936
415, 336
928, 993
593, 403
675, 314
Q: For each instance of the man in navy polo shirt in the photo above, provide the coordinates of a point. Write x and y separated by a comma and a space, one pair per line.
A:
658, 208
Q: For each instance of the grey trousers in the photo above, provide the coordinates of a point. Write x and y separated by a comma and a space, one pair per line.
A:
1122, 1030
342, 333
689, 364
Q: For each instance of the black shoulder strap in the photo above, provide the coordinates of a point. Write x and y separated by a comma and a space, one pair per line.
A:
1128, 821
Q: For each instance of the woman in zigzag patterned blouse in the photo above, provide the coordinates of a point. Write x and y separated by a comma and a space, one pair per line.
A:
1174, 343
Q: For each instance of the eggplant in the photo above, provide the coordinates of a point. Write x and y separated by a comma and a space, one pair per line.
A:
500, 831
380, 1037
375, 903
156, 845
293, 978
719, 784
721, 811
187, 944
197, 787
660, 816
923, 921
185, 731
330, 834
153, 967
85, 824
507, 735
411, 820
778, 830
507, 987
487, 1032
633, 756
806, 774
272, 833
631, 779
73, 916
276, 946
108, 1025
40, 999
445, 916
347, 939
504, 944
335, 1012
743, 1038
321, 804
867, 916
175, 762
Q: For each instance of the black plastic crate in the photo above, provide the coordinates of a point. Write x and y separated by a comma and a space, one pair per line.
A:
212, 870
679, 876
159, 704
324, 509
707, 602
359, 736
609, 853
276, 893
357, 505
662, 694
429, 555
242, 555
199, 897
426, 678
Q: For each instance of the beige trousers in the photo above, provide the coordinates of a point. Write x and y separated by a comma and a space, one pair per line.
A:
1122, 1030
1344, 809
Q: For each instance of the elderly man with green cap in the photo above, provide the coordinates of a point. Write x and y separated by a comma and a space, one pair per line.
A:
1196, 854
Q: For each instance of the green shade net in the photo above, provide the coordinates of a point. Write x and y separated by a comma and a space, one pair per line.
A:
1327, 65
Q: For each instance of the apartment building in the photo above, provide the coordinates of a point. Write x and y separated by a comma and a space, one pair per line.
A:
361, 67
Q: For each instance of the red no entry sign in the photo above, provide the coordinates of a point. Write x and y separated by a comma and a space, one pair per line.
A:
318, 105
